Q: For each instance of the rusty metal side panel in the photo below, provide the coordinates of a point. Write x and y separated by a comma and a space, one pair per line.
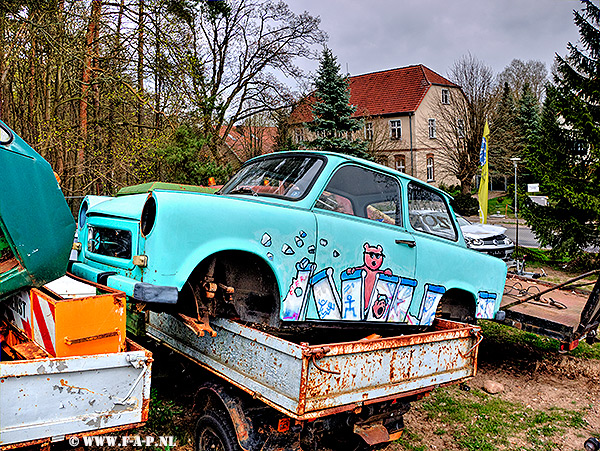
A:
56, 397
257, 362
360, 371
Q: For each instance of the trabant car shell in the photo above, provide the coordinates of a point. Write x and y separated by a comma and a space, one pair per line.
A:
189, 227
36, 224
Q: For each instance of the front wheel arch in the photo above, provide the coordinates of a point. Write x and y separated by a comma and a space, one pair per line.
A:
255, 296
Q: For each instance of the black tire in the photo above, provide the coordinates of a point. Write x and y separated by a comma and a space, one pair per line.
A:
214, 432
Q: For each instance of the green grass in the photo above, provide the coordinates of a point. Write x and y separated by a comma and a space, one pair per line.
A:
411, 441
164, 419
482, 422
511, 341
498, 204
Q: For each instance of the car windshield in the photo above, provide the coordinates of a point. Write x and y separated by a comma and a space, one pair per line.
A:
288, 177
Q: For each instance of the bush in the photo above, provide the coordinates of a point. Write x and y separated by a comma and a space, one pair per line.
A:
465, 204
453, 190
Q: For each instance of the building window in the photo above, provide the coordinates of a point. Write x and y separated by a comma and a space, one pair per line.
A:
430, 168
400, 163
343, 134
431, 123
460, 127
445, 96
395, 129
299, 135
369, 131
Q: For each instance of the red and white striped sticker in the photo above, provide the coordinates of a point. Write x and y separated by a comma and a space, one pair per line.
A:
44, 324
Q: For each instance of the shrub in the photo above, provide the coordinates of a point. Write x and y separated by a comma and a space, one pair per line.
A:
465, 204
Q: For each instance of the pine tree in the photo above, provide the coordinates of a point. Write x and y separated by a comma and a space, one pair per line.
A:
566, 159
333, 122
504, 133
283, 139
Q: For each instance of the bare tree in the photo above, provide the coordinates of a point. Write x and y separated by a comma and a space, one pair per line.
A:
227, 72
255, 131
461, 121
376, 132
518, 72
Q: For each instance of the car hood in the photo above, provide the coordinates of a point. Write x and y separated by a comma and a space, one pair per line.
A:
482, 230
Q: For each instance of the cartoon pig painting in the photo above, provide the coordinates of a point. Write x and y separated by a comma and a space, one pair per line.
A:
373, 260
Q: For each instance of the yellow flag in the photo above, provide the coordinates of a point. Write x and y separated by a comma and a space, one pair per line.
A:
483, 184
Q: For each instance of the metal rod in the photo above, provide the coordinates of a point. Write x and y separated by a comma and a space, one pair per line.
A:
557, 287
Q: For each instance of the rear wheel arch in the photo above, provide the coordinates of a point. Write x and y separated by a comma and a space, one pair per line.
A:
214, 425
457, 305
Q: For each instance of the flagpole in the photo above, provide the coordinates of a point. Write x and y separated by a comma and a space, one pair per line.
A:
515, 161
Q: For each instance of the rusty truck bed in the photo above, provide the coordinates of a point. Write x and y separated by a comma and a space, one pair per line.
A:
541, 307
310, 381
45, 399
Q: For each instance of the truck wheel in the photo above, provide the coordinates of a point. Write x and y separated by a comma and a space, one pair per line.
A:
214, 432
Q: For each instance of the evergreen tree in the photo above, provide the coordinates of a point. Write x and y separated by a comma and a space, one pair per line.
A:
185, 160
566, 159
333, 122
527, 119
283, 139
504, 133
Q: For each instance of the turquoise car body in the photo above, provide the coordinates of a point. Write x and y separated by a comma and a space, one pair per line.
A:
323, 261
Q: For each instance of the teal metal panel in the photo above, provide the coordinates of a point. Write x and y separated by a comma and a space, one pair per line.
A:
34, 217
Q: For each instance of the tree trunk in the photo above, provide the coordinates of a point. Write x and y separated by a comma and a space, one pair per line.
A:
140, 67
91, 37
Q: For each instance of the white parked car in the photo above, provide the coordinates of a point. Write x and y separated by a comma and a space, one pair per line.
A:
487, 238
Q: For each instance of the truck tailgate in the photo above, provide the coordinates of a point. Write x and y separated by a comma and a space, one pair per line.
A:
46, 399
308, 382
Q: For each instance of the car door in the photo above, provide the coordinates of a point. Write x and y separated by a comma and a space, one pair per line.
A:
441, 259
365, 258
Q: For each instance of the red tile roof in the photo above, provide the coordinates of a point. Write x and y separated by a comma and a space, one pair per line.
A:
386, 92
240, 140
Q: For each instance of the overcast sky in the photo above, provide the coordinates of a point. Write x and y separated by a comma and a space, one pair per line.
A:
373, 35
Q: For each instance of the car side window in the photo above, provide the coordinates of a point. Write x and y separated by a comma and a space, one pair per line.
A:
429, 213
357, 191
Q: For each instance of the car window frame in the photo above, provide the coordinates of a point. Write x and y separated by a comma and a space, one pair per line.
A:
453, 220
399, 185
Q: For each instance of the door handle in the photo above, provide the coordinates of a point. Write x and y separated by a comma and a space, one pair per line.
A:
409, 243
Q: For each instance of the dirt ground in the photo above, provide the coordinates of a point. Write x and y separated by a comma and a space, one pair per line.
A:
561, 382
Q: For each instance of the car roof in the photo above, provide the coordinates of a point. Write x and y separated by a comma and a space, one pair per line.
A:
339, 157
